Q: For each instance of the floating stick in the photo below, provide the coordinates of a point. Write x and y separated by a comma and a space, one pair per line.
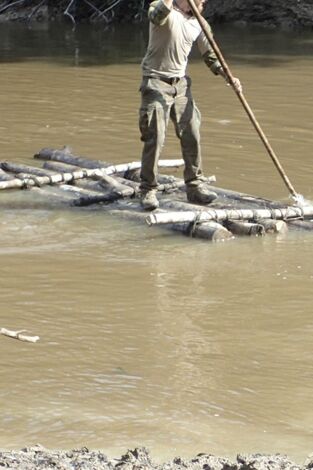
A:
18, 335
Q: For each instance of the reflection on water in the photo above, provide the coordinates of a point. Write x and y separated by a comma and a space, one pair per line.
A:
147, 337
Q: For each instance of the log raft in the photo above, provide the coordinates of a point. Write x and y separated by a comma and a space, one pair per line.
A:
80, 181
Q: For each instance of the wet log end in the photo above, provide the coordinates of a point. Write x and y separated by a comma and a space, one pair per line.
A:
274, 226
211, 231
245, 228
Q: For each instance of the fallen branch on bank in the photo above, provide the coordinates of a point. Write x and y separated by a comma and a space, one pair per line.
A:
19, 335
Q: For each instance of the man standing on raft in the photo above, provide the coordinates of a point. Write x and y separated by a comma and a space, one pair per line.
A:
165, 93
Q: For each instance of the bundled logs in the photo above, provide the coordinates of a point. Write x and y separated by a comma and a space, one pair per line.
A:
80, 181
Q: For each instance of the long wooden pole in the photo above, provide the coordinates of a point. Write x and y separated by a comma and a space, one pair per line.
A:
297, 197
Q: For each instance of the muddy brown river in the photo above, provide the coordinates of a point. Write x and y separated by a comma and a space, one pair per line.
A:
149, 338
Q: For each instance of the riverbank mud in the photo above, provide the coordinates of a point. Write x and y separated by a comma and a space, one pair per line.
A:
39, 458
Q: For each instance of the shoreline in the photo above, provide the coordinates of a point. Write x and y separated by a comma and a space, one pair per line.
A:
40, 458
285, 15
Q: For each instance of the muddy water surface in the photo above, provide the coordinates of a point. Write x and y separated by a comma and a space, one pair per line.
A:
147, 337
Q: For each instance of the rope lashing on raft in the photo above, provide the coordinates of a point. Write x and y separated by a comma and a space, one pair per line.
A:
193, 225
28, 183
294, 217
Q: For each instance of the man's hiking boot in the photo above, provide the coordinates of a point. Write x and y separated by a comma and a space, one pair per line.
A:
200, 194
149, 200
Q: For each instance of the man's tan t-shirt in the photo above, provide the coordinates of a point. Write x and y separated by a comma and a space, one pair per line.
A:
171, 37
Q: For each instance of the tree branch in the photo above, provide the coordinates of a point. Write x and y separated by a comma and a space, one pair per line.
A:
100, 13
67, 11
11, 5
36, 8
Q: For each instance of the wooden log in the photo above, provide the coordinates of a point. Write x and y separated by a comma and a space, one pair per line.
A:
245, 228
60, 167
52, 196
66, 157
19, 335
106, 182
245, 200
55, 195
306, 225
210, 231
78, 174
56, 178
167, 183
5, 176
64, 167
283, 213
61, 193
86, 197
116, 181
18, 168
274, 226
109, 188
77, 196
74, 195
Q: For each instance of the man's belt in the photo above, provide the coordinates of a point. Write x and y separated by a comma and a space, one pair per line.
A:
169, 80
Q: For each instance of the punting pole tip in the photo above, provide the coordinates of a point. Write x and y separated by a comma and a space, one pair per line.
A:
299, 200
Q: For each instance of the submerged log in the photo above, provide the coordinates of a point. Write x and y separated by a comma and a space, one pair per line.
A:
284, 213
207, 230
274, 226
86, 197
301, 225
245, 228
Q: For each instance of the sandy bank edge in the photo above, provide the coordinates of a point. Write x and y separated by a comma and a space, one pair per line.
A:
39, 458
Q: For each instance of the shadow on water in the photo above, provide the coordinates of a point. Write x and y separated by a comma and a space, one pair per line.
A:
89, 45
